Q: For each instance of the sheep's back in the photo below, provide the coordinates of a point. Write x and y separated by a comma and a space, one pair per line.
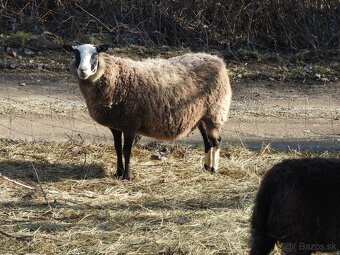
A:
159, 98
305, 204
171, 96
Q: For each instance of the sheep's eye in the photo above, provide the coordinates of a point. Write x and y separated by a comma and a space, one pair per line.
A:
77, 56
94, 61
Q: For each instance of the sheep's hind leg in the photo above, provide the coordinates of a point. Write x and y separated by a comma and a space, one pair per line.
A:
117, 136
128, 142
215, 155
207, 147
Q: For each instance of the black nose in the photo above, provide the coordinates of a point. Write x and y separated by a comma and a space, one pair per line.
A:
83, 70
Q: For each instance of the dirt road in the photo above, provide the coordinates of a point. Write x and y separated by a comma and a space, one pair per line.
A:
48, 106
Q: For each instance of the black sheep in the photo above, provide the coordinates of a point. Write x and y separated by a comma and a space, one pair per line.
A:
298, 207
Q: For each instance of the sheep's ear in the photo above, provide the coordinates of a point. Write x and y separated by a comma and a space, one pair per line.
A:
102, 48
69, 48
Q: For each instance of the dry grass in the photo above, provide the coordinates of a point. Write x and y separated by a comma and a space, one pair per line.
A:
170, 207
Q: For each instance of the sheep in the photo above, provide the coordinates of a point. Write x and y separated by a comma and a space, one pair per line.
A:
160, 98
298, 206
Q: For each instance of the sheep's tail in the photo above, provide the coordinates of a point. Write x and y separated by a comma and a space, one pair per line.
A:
261, 242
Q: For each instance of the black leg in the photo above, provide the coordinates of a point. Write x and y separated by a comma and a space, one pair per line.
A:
207, 144
117, 136
207, 147
128, 141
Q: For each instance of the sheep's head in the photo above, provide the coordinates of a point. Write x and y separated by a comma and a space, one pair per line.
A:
86, 58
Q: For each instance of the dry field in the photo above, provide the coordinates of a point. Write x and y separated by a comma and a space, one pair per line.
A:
71, 205
58, 196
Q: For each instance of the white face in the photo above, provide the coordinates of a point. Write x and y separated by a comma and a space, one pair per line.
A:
86, 60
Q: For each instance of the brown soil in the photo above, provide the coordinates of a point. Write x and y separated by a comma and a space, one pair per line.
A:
45, 105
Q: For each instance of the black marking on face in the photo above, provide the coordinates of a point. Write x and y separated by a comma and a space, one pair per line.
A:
94, 61
77, 56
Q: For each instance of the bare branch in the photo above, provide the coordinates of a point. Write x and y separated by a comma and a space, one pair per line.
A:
19, 238
42, 190
17, 183
91, 15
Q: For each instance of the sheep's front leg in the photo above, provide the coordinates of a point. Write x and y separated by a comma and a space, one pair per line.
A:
117, 137
128, 141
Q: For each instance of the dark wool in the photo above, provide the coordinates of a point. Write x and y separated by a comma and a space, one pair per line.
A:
298, 207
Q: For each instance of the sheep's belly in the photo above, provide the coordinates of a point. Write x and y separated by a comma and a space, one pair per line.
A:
169, 130
167, 136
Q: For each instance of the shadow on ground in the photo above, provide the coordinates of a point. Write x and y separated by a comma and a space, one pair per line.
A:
24, 171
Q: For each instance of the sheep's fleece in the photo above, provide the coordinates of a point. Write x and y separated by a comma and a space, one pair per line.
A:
160, 98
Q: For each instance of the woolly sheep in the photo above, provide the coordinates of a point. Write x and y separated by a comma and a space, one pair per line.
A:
298, 206
158, 98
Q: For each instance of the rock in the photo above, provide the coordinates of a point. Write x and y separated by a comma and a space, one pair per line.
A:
11, 52
28, 51
45, 41
40, 67
23, 84
158, 156
164, 48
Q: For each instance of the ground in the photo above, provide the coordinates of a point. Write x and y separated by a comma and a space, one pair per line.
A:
49, 106
72, 205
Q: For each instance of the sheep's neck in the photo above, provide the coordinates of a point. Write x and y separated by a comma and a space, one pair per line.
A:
96, 94
99, 100
103, 92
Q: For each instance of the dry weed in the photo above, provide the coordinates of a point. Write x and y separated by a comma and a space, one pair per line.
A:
171, 206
